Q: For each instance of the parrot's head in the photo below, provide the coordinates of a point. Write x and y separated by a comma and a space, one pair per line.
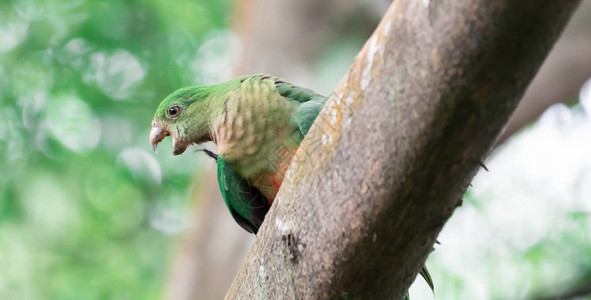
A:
185, 115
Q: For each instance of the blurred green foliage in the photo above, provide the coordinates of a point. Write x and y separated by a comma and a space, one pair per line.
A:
86, 210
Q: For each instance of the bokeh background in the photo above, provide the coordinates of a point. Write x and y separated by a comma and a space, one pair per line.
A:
87, 211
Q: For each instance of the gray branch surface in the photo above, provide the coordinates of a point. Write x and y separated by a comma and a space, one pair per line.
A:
390, 156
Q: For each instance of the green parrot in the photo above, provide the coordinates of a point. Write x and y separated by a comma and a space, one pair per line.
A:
257, 122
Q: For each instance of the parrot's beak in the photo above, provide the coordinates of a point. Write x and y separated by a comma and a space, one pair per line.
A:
157, 134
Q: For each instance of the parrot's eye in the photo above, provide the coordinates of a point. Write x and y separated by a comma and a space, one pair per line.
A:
174, 111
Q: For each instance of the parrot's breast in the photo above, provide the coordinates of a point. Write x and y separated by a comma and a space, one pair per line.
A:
257, 135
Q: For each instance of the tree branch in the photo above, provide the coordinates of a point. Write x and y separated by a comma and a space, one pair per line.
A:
395, 147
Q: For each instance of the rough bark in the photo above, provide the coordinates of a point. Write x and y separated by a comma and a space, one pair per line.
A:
395, 147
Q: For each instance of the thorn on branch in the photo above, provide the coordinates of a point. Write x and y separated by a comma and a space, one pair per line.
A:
482, 165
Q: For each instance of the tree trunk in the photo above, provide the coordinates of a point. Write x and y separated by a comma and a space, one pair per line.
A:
391, 154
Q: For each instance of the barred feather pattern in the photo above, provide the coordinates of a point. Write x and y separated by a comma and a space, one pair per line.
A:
256, 134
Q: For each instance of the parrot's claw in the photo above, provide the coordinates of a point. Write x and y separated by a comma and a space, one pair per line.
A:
209, 153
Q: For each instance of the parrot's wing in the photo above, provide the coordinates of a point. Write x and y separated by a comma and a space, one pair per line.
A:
247, 205
311, 103
308, 112
294, 92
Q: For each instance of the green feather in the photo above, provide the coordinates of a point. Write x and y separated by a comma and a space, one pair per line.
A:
308, 112
311, 103
293, 92
247, 205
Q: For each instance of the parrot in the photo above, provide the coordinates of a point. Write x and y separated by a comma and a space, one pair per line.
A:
257, 123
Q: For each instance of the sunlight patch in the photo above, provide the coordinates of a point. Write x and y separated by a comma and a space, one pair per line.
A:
73, 123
